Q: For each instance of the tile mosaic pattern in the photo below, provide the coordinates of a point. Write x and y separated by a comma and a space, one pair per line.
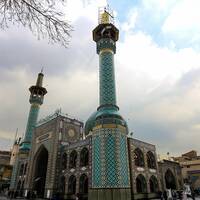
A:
97, 160
106, 43
32, 119
109, 164
124, 161
110, 161
107, 79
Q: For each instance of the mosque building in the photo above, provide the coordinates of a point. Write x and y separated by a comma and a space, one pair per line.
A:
96, 161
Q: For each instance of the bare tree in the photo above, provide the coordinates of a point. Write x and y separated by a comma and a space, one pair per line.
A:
41, 16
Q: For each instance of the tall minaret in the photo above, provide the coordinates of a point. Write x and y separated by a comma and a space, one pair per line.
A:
110, 165
36, 99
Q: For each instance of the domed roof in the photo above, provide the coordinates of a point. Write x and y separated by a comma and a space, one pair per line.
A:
90, 123
103, 114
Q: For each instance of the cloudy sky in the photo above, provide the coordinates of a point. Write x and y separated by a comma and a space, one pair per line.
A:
157, 71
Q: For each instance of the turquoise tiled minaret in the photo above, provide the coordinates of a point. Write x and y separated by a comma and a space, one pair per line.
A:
110, 167
36, 99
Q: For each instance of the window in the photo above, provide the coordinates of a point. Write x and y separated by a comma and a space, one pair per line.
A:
83, 184
151, 161
153, 184
138, 158
73, 159
84, 157
21, 169
72, 185
64, 161
141, 184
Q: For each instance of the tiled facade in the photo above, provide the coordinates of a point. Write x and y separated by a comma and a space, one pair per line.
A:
53, 135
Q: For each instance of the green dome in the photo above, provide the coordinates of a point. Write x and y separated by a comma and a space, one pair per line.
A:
90, 123
104, 115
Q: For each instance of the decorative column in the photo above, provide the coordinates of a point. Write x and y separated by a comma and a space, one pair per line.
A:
110, 165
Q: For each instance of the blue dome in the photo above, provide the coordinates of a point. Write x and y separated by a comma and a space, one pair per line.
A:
102, 116
90, 123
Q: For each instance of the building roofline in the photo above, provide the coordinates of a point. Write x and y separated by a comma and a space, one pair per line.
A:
55, 115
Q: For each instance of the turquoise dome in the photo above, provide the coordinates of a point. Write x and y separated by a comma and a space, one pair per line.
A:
90, 123
104, 115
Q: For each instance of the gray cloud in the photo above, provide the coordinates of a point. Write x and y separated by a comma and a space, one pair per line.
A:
162, 113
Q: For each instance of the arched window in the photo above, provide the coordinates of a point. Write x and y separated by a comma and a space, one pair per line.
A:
141, 184
64, 161
21, 169
84, 157
22, 186
25, 168
19, 185
153, 184
151, 161
83, 184
62, 185
72, 159
72, 185
170, 180
139, 157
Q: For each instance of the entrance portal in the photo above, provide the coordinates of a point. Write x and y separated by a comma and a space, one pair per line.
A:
170, 180
41, 162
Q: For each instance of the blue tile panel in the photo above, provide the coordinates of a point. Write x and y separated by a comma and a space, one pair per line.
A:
106, 43
32, 120
97, 160
109, 164
124, 160
107, 78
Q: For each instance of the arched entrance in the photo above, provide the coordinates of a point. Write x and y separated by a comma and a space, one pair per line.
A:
170, 180
41, 162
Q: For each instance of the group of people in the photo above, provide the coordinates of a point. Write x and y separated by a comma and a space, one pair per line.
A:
175, 194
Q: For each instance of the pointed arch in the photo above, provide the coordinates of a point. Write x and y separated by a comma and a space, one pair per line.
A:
170, 180
141, 184
72, 159
64, 161
40, 169
72, 185
84, 157
62, 185
153, 184
21, 169
139, 157
151, 160
83, 184
19, 185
